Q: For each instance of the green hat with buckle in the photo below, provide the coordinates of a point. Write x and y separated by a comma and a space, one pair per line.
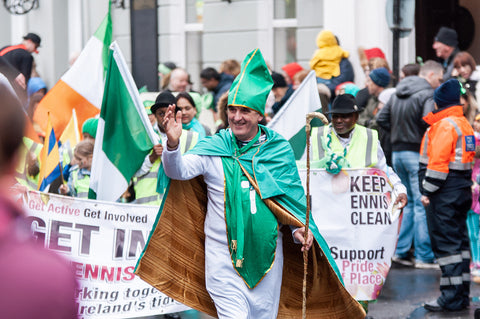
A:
252, 86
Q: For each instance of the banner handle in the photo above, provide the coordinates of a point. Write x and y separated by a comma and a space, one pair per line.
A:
308, 128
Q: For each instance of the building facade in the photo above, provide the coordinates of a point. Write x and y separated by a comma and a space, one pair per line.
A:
199, 33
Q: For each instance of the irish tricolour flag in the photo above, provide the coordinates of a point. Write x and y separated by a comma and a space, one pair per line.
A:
81, 87
124, 134
290, 121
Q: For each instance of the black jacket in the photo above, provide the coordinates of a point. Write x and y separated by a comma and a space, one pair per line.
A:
403, 113
21, 60
223, 86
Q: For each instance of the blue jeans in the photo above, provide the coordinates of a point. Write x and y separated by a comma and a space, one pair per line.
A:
414, 222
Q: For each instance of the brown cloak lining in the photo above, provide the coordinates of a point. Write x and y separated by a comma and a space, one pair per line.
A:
174, 261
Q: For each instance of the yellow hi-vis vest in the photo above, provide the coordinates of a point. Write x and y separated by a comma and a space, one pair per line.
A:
22, 177
361, 151
145, 186
81, 185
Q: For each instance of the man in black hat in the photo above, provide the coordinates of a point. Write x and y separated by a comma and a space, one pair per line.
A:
145, 179
20, 57
347, 144
446, 47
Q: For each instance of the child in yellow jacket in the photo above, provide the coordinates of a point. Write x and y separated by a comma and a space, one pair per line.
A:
326, 60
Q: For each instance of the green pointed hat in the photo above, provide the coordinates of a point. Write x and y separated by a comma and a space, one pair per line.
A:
251, 87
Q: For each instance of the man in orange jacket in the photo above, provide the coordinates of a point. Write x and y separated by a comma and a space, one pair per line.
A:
446, 156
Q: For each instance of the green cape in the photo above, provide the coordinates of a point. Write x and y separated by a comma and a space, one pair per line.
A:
173, 260
275, 171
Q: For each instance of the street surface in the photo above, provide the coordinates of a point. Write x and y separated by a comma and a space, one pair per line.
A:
402, 297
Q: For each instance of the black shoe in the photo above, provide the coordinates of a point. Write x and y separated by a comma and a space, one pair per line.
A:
477, 314
403, 261
433, 306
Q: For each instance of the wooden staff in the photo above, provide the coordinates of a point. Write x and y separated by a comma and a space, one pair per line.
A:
308, 128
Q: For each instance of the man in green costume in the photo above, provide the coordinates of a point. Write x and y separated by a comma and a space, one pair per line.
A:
250, 174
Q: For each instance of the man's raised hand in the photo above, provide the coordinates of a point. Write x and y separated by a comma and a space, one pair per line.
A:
173, 127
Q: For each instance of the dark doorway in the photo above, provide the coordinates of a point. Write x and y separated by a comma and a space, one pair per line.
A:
430, 15
143, 20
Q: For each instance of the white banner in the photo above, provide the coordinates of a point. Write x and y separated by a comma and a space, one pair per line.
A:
103, 241
354, 212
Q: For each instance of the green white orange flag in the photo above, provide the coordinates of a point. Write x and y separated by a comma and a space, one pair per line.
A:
290, 121
124, 134
81, 87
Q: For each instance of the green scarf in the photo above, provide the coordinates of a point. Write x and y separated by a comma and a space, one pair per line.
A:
252, 228
272, 166
331, 162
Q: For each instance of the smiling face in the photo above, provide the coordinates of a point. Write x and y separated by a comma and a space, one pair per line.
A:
343, 124
243, 122
188, 110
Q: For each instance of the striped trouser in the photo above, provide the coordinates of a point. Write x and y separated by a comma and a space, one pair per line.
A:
446, 218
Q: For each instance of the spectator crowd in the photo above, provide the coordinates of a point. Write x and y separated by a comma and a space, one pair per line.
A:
434, 104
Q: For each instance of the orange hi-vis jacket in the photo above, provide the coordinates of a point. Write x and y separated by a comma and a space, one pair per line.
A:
448, 145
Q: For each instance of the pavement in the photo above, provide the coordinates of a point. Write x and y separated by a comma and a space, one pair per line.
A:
405, 291
402, 297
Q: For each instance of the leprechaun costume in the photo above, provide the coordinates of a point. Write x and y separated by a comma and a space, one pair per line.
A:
220, 248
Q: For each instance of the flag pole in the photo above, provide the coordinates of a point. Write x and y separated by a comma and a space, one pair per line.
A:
308, 128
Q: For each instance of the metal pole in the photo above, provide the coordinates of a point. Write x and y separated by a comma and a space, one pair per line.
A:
309, 118
396, 40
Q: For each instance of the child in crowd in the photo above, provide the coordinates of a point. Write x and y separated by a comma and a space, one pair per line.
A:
79, 179
326, 59
473, 220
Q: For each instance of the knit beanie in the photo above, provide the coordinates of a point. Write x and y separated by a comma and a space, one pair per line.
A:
90, 126
374, 53
380, 77
292, 68
447, 36
278, 80
447, 94
351, 89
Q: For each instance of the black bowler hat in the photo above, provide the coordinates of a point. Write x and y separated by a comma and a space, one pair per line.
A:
33, 37
344, 104
164, 99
